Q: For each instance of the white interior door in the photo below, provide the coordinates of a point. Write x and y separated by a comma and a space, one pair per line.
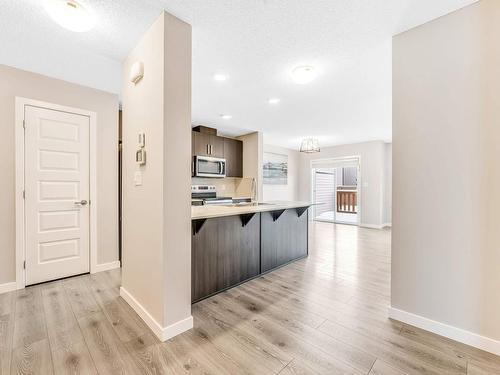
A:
56, 194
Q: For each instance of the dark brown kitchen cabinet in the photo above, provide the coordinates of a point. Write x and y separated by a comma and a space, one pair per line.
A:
216, 146
206, 270
283, 237
204, 144
200, 144
225, 252
233, 152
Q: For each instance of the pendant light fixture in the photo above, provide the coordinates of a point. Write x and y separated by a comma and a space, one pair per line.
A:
310, 145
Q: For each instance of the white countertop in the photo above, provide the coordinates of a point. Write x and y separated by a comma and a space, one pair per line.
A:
211, 211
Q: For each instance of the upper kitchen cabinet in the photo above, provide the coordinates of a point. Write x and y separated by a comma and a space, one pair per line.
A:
206, 142
216, 147
200, 144
233, 152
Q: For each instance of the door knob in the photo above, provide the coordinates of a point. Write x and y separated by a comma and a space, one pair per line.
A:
83, 202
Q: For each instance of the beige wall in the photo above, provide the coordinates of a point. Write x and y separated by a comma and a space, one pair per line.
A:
157, 215
446, 137
15, 82
373, 175
253, 148
290, 191
142, 214
177, 170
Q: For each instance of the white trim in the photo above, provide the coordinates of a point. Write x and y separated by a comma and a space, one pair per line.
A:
8, 287
93, 190
177, 328
20, 104
442, 329
19, 170
163, 333
359, 186
105, 266
372, 226
387, 225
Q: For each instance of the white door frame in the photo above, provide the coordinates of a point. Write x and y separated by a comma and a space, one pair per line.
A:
20, 173
333, 160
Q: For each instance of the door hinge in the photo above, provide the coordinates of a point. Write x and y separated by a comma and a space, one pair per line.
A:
24, 265
24, 124
24, 194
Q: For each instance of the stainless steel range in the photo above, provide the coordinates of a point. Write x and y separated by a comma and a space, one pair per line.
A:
207, 194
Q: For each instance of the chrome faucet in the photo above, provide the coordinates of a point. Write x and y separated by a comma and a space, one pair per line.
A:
254, 190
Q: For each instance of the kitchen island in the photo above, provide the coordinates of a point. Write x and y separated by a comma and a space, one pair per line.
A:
231, 244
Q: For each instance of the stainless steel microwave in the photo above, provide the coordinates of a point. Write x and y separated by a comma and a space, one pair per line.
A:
206, 166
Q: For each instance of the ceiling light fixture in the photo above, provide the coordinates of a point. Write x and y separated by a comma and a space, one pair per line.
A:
304, 74
310, 145
70, 15
221, 77
226, 117
274, 100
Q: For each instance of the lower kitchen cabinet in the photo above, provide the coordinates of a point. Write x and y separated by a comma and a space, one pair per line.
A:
283, 237
225, 252
229, 250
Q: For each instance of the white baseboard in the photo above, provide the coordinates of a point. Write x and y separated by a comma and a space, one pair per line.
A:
371, 226
106, 266
163, 333
177, 328
465, 337
8, 287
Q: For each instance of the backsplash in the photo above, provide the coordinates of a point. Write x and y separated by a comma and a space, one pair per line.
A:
227, 187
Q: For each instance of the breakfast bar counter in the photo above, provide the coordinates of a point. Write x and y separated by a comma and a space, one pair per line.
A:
211, 211
231, 244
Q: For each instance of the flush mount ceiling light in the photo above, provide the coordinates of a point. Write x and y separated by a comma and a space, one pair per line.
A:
226, 117
304, 74
70, 15
310, 145
221, 77
273, 100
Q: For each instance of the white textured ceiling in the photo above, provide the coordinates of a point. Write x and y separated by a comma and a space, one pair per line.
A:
256, 42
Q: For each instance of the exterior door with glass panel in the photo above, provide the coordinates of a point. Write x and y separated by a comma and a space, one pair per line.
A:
56, 194
324, 194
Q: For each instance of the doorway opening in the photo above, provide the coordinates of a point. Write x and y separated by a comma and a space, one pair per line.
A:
335, 191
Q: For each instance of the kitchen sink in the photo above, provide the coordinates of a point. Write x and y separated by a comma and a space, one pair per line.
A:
244, 204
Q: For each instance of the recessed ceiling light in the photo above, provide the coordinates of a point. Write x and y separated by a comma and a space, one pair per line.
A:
273, 100
221, 77
304, 74
226, 117
70, 15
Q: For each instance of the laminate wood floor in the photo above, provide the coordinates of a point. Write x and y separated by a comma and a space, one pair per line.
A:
326, 314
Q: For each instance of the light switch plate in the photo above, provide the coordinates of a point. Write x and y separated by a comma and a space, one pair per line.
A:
138, 178
141, 140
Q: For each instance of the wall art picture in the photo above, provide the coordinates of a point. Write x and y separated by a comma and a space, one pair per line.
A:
275, 169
